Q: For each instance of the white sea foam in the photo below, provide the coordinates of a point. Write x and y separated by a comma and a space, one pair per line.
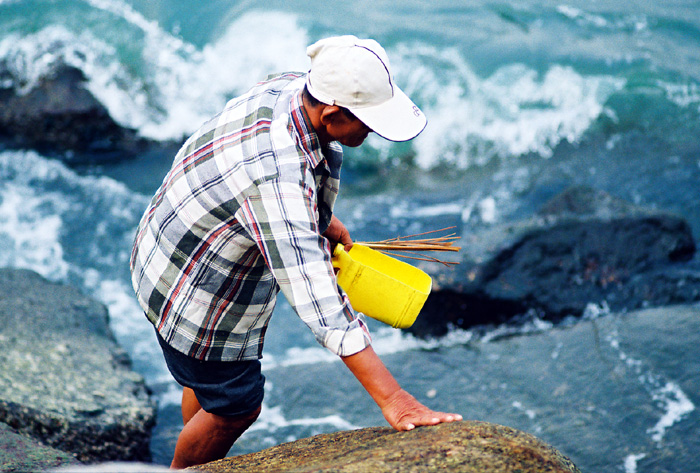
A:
30, 218
667, 395
451, 208
190, 85
513, 112
30, 57
578, 14
593, 311
629, 22
272, 419
631, 462
29, 236
487, 209
676, 406
385, 341
557, 350
484, 208
683, 94
528, 412
531, 324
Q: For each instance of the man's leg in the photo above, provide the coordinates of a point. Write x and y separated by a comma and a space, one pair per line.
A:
223, 387
207, 437
190, 405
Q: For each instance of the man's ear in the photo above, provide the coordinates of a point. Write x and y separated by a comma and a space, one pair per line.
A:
330, 114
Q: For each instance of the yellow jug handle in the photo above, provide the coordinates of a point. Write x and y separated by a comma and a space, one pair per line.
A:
341, 258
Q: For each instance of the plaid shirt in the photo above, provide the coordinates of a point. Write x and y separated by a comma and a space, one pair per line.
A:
238, 217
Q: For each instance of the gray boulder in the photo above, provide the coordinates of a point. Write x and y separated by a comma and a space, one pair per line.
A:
583, 247
19, 453
468, 446
64, 380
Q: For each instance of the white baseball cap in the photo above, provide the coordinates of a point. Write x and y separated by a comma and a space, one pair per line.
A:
355, 74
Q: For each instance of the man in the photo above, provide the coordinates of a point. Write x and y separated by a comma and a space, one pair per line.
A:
246, 211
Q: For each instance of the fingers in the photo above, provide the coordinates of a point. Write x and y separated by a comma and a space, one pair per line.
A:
338, 233
344, 237
429, 418
406, 413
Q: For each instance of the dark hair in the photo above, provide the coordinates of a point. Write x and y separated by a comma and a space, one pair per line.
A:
310, 98
314, 102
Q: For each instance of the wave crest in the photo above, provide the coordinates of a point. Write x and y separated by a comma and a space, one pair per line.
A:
513, 112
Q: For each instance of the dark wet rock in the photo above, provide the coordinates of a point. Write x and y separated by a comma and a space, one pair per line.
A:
61, 117
584, 247
467, 446
64, 380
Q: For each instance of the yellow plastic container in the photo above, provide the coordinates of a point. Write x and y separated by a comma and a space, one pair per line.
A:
380, 286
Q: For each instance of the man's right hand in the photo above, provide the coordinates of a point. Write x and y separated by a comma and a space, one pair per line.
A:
404, 412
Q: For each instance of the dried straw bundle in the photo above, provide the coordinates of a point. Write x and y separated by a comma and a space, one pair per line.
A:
398, 245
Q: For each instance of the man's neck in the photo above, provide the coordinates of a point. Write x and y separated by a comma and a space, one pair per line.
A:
314, 114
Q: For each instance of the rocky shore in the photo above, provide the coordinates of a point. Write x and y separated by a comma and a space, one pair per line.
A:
468, 447
64, 381
68, 398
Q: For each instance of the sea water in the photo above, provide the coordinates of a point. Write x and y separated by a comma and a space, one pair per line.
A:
523, 100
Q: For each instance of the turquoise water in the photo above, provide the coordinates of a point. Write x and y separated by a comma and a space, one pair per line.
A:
523, 100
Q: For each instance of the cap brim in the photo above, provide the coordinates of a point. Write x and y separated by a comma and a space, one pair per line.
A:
397, 119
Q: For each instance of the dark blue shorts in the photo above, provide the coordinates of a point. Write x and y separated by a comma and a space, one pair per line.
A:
225, 388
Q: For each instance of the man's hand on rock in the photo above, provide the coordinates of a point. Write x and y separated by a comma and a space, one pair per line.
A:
404, 412
400, 409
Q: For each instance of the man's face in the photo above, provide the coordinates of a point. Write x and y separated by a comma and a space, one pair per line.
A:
348, 130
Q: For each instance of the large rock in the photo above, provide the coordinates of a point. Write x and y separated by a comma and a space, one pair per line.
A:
60, 116
584, 247
19, 453
467, 446
64, 380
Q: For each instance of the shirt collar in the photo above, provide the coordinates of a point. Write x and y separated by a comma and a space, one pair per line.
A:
308, 139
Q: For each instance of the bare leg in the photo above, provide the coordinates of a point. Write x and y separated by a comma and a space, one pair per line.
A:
207, 437
190, 405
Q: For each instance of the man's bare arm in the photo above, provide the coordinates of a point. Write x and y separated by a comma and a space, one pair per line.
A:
401, 410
